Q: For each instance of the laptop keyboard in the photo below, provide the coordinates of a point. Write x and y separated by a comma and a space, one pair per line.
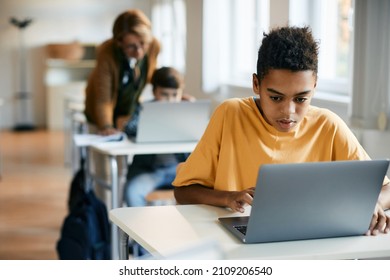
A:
241, 229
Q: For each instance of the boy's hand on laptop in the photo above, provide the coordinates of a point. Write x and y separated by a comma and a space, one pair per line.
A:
380, 222
237, 200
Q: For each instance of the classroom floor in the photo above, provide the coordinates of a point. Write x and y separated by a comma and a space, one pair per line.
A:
34, 188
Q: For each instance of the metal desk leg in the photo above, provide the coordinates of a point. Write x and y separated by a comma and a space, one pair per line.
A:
114, 204
124, 245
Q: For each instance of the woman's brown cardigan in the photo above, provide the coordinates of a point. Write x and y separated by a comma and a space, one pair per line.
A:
103, 83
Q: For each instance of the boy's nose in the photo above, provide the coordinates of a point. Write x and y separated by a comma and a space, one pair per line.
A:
289, 108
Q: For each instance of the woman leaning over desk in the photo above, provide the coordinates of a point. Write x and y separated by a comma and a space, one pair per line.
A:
125, 64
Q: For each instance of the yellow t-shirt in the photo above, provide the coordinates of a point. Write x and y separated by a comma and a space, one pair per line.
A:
238, 141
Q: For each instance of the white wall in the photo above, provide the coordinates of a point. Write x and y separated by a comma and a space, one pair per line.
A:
88, 21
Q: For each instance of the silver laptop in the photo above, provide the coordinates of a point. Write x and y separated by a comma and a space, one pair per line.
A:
311, 200
172, 122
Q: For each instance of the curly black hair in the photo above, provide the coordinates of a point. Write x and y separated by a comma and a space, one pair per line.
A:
292, 48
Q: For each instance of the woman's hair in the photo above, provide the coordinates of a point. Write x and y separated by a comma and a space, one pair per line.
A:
291, 48
137, 23
167, 77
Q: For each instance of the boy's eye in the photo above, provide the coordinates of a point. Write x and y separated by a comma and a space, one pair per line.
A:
300, 99
276, 98
167, 94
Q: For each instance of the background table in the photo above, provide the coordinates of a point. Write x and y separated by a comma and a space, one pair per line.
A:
115, 150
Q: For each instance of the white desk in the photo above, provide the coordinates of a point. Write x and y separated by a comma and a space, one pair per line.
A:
165, 229
127, 148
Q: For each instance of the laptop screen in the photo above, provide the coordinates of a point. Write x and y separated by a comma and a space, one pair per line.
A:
172, 122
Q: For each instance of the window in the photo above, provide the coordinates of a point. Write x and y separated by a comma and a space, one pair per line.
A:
251, 18
233, 31
169, 26
230, 40
331, 22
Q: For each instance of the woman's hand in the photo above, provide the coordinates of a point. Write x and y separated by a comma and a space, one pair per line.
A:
121, 121
108, 131
237, 200
380, 222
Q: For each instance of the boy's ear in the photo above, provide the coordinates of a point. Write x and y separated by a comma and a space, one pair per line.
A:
255, 83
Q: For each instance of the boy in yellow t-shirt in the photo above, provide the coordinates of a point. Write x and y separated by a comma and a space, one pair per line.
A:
277, 126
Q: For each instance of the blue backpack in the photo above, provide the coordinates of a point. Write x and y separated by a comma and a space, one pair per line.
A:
85, 233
